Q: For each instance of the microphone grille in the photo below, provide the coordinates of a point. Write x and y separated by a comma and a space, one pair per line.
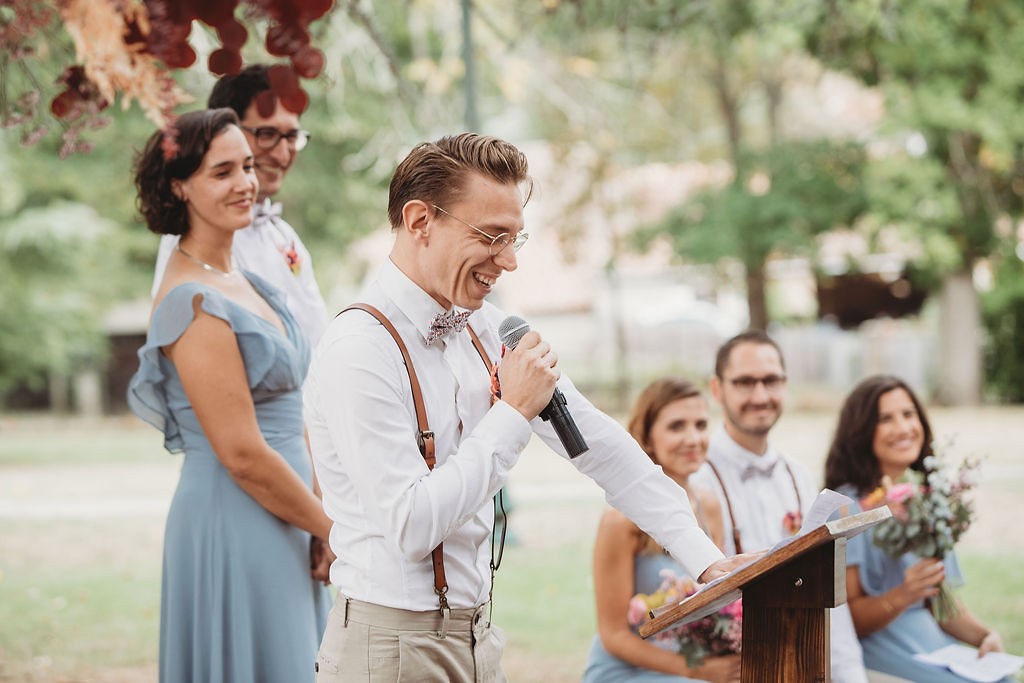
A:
512, 330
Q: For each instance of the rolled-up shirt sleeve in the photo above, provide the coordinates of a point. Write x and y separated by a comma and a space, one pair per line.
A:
633, 484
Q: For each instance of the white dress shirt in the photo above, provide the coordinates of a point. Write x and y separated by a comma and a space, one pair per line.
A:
760, 503
264, 248
389, 511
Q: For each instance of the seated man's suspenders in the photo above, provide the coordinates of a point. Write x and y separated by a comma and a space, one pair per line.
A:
728, 503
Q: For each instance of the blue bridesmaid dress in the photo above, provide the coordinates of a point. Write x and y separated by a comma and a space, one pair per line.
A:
891, 650
603, 667
238, 603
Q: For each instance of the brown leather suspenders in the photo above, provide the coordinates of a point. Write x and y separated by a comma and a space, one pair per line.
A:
424, 436
728, 507
728, 503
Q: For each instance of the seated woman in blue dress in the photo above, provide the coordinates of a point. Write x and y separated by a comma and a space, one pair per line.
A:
220, 375
884, 431
670, 422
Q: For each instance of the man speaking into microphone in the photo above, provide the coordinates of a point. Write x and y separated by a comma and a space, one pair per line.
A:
413, 431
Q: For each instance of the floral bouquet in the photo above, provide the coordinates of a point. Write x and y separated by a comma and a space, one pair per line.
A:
716, 634
930, 513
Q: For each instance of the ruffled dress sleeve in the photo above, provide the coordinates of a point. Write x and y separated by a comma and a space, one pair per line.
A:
150, 389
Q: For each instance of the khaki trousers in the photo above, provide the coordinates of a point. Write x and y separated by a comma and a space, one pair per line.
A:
369, 643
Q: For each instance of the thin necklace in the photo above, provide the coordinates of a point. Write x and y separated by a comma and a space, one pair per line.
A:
204, 264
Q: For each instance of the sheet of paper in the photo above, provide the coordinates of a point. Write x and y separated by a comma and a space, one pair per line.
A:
964, 661
824, 506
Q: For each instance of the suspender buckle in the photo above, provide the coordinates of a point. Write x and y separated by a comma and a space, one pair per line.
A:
446, 612
422, 436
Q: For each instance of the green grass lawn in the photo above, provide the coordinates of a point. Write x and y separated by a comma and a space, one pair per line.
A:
544, 600
79, 598
68, 622
53, 441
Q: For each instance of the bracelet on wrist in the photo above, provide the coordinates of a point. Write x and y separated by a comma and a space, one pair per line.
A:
889, 607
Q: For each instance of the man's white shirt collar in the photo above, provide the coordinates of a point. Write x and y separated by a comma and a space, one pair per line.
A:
414, 303
739, 457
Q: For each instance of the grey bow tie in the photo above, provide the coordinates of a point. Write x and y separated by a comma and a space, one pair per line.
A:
447, 323
751, 471
267, 209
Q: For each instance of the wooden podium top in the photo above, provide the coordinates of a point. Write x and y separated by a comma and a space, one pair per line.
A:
719, 593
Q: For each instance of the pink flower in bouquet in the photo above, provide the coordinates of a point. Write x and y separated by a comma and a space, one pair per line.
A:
931, 510
733, 609
636, 613
899, 493
714, 635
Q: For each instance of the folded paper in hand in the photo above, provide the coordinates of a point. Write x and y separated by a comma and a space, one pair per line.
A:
965, 662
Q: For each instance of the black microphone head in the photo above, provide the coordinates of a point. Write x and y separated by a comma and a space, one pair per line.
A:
512, 330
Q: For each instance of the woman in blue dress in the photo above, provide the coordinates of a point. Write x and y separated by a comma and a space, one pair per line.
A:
220, 375
883, 431
670, 422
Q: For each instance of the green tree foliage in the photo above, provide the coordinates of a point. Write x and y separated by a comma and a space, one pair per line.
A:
69, 245
950, 72
1003, 309
54, 285
391, 81
795, 192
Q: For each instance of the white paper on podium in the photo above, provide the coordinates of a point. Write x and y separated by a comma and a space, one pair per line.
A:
964, 661
824, 506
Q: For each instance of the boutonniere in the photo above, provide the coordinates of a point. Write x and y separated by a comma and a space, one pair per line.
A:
292, 258
792, 522
495, 383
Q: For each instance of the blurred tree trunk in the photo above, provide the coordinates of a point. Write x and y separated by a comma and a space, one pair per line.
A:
756, 298
960, 343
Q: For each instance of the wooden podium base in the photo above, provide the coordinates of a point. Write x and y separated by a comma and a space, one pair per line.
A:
785, 626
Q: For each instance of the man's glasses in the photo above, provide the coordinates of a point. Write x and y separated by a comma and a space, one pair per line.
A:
499, 241
268, 137
746, 384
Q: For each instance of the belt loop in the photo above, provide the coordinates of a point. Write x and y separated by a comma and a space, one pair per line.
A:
347, 600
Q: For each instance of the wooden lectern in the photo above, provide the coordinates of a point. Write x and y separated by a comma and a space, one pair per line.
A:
786, 593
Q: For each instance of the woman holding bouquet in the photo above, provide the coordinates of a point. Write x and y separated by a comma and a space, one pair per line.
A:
883, 436
670, 422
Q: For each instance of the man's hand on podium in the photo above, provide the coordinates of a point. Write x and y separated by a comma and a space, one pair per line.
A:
719, 569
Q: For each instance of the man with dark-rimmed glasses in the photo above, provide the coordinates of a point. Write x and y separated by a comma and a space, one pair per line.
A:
270, 247
763, 493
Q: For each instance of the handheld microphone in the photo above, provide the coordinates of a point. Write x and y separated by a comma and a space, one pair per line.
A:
511, 331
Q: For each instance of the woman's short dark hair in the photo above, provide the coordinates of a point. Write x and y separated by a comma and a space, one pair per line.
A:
161, 209
851, 458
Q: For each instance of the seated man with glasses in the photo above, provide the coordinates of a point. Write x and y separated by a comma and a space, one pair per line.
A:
270, 247
763, 493
411, 438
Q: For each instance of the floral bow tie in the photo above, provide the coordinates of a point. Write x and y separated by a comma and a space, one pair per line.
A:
446, 323
266, 209
751, 471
